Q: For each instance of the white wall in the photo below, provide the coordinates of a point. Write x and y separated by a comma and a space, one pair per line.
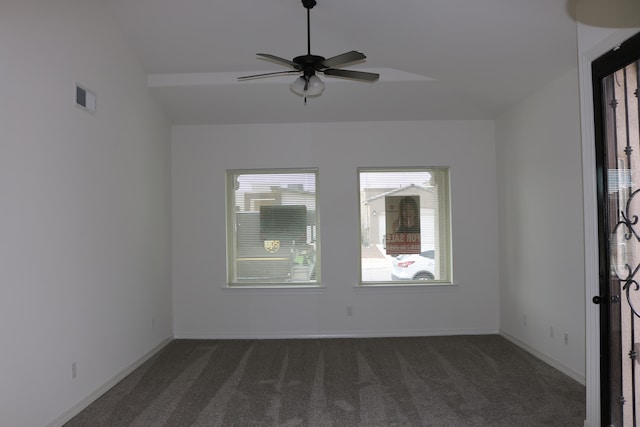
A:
541, 227
204, 308
84, 210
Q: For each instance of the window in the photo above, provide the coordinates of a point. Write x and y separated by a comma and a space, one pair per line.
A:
405, 225
272, 227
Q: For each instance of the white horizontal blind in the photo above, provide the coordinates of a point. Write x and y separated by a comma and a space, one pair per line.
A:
381, 191
272, 230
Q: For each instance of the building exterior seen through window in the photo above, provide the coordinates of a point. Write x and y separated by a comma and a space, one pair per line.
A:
405, 225
272, 230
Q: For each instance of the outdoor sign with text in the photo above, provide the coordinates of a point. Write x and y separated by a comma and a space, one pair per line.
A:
402, 215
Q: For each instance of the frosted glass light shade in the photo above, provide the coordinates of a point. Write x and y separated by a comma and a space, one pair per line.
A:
606, 14
315, 86
298, 86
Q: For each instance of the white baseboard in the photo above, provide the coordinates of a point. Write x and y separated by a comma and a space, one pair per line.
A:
330, 334
546, 358
77, 408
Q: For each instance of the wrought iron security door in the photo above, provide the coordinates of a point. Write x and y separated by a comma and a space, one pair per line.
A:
616, 91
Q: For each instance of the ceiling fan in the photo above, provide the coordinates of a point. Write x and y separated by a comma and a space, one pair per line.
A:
309, 84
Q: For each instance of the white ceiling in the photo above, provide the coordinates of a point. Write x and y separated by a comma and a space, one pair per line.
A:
438, 59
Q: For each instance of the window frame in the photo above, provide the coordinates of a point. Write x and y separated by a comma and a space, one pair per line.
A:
231, 232
445, 262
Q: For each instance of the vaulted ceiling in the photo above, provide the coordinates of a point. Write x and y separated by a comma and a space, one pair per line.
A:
438, 59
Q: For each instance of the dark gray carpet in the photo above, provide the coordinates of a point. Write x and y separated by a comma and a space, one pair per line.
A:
418, 381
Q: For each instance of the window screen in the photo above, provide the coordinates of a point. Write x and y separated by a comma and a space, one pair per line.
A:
405, 225
272, 228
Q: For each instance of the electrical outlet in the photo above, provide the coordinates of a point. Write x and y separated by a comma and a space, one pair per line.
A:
74, 371
349, 310
566, 339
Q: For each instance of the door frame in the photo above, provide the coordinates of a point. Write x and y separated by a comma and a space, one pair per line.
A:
608, 39
606, 65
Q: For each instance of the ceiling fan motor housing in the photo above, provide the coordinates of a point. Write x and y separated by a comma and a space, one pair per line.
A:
308, 3
309, 63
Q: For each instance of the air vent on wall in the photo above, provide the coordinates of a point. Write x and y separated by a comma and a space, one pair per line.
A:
85, 99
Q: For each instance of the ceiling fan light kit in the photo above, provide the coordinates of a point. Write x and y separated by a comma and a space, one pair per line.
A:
304, 86
309, 84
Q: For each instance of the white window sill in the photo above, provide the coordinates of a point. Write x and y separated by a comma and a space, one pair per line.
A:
275, 289
393, 286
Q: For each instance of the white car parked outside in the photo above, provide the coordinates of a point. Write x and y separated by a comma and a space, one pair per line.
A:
414, 266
